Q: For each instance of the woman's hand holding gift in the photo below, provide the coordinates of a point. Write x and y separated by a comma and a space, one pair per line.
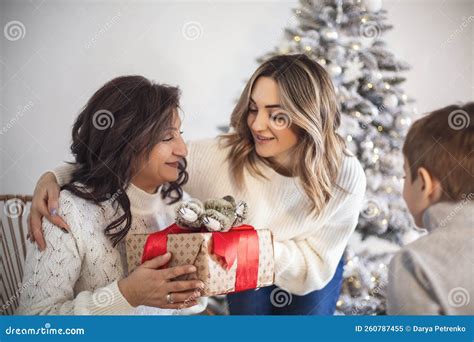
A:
148, 285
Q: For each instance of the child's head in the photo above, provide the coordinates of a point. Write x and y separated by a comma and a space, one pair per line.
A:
439, 160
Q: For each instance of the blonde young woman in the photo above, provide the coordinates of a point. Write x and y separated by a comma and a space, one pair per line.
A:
285, 158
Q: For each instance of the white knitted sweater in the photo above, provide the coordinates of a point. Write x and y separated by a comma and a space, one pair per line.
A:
77, 274
307, 248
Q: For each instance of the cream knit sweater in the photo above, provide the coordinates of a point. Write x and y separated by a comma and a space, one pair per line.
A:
77, 274
307, 248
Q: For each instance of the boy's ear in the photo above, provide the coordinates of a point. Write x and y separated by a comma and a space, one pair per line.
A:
430, 186
425, 178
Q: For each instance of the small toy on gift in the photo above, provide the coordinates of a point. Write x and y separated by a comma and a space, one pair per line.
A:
216, 214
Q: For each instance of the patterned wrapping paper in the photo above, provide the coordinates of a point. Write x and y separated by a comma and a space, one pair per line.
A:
194, 249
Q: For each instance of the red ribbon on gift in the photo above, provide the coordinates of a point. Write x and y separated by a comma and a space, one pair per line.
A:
240, 243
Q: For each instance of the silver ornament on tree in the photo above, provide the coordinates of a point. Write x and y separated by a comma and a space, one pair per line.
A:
376, 75
329, 34
334, 70
390, 101
353, 70
373, 5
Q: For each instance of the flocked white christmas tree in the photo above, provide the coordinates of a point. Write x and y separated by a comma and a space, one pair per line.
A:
345, 36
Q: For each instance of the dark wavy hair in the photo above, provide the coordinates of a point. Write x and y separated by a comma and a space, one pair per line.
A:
120, 124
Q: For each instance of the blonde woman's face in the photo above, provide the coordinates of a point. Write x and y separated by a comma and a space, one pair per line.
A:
269, 123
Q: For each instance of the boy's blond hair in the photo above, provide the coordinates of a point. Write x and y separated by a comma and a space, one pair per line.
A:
443, 143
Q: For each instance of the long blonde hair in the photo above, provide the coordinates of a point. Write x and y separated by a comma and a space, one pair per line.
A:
308, 96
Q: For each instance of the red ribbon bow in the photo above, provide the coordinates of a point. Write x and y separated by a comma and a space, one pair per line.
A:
240, 243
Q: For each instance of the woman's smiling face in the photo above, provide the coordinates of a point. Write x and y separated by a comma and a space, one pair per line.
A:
270, 125
161, 166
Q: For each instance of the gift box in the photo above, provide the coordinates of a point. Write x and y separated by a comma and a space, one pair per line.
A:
232, 261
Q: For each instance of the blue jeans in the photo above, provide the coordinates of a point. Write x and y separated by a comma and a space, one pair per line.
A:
266, 302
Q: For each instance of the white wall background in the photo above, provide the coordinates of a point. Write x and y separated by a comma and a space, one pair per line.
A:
72, 47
